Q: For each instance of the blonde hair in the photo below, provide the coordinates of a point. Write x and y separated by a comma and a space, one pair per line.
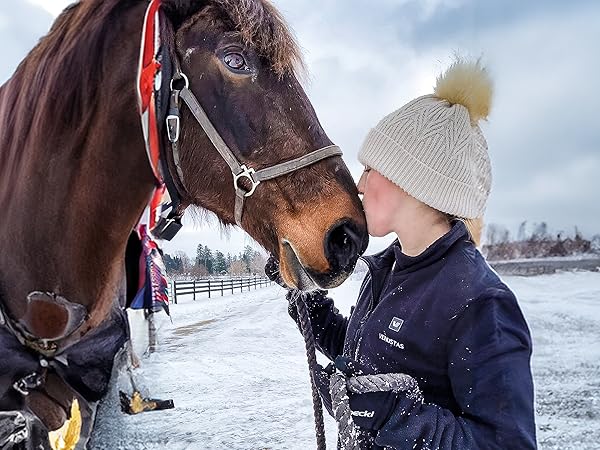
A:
474, 227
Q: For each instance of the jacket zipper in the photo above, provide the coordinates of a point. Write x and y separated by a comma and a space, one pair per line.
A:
365, 317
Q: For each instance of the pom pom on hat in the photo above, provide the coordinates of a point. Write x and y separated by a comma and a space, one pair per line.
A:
468, 84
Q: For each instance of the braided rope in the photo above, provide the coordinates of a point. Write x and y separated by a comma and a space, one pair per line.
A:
395, 382
347, 430
340, 385
309, 341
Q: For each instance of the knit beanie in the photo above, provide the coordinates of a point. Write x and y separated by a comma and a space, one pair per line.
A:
433, 148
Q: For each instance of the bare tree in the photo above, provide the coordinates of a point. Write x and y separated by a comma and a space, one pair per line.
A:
540, 231
186, 263
257, 263
198, 271
595, 243
491, 234
238, 267
496, 234
522, 234
504, 235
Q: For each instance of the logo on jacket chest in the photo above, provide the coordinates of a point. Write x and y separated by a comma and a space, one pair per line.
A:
390, 341
396, 324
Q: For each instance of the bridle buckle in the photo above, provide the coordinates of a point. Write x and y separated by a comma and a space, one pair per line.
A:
246, 173
173, 127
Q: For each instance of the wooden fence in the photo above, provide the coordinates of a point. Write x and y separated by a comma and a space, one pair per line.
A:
216, 285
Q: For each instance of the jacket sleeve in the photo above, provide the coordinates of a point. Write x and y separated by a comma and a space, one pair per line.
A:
328, 325
489, 354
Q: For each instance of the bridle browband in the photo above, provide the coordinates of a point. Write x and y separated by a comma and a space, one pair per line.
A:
174, 183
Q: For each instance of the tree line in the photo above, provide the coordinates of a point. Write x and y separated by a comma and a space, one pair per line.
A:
209, 262
535, 241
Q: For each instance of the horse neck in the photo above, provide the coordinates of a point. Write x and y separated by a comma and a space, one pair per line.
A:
70, 202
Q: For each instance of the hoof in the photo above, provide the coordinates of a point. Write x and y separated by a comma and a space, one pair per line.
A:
20, 430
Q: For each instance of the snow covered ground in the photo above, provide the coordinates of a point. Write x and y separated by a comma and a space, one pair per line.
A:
236, 369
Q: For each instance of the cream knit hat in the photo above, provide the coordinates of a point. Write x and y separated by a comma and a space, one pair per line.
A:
433, 148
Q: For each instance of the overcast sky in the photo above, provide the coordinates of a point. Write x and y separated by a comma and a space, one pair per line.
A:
368, 57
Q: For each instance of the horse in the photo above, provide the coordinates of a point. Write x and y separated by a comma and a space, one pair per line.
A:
75, 179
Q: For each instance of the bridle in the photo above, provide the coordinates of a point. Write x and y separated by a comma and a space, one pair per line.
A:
168, 225
238, 170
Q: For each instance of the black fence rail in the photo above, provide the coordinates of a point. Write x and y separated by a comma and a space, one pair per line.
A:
216, 285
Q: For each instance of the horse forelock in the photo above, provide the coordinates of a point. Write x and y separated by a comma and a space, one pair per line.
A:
260, 26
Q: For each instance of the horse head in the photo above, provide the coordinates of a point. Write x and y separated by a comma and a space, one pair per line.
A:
241, 62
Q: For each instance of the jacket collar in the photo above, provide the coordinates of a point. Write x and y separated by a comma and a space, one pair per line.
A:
404, 263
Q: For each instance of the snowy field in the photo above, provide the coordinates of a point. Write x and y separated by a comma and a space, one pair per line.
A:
236, 370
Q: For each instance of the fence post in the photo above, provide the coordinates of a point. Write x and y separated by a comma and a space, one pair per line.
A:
194, 289
174, 284
221, 287
151, 333
232, 281
209, 288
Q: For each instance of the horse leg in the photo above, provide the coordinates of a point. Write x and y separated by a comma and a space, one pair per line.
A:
51, 404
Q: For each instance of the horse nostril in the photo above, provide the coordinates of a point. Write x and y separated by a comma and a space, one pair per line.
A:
342, 246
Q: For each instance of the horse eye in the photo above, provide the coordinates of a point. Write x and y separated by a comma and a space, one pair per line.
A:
236, 61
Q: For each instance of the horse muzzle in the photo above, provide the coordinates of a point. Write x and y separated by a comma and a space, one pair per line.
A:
343, 243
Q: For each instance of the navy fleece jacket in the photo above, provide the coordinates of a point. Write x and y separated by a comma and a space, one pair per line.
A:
445, 318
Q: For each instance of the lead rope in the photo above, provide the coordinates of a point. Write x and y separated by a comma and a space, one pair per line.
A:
311, 356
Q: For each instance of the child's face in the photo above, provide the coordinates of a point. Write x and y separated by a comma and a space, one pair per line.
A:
380, 199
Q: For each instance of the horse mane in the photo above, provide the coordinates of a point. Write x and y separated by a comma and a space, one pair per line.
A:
61, 76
